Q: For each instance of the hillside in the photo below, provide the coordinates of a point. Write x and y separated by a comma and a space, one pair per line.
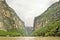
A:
52, 14
47, 24
9, 21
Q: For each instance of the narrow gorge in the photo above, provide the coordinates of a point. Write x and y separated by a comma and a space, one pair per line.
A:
46, 24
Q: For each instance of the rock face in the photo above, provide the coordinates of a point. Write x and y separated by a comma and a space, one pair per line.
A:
51, 15
8, 18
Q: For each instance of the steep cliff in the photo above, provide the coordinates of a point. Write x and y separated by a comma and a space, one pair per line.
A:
9, 21
48, 23
52, 14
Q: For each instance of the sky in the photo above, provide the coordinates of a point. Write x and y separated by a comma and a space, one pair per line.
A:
27, 10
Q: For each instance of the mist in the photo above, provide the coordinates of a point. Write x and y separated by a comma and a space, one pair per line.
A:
27, 10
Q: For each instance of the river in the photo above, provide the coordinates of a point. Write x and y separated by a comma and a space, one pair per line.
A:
29, 38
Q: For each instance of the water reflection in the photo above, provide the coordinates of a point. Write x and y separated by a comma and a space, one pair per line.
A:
29, 38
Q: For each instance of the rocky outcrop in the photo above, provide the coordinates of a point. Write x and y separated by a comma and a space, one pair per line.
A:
9, 19
51, 15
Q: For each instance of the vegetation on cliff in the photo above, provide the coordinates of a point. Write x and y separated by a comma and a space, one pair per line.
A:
52, 14
48, 23
10, 23
51, 29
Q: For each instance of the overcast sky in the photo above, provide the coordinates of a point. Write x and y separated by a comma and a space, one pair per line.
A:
28, 9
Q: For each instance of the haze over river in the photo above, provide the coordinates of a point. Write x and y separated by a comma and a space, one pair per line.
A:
29, 38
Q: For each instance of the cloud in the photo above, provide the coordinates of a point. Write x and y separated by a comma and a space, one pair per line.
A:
28, 9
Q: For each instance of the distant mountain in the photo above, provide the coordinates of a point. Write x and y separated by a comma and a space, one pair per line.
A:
48, 23
9, 21
29, 30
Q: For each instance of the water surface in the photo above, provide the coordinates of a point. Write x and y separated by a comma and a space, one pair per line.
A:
29, 38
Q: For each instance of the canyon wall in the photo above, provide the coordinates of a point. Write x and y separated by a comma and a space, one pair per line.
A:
9, 19
51, 15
